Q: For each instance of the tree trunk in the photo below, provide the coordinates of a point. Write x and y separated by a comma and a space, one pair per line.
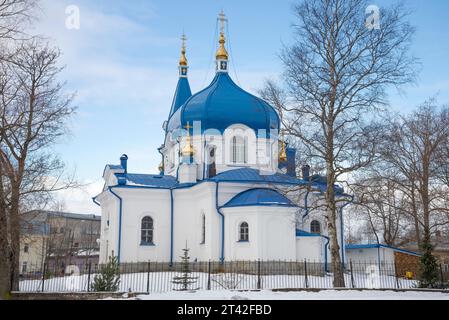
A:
15, 237
331, 208
5, 272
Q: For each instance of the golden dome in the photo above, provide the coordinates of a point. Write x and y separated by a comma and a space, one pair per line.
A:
183, 59
188, 150
283, 153
161, 167
222, 54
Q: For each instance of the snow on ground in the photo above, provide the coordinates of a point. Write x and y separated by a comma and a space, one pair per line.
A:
297, 295
163, 282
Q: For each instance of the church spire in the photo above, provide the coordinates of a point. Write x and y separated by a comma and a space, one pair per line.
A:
183, 91
183, 60
222, 54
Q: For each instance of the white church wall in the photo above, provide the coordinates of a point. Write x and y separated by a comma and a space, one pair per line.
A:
189, 206
271, 233
108, 233
310, 248
136, 204
316, 213
278, 239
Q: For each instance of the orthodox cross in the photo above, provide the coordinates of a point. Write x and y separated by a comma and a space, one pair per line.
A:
222, 19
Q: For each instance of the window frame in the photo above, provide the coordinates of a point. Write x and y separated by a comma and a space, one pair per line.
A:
239, 150
149, 230
313, 226
243, 235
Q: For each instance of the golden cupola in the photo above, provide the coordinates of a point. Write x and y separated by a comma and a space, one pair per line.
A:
187, 150
183, 59
283, 151
222, 54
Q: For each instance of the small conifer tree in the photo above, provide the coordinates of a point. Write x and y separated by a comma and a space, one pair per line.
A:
185, 280
109, 278
428, 268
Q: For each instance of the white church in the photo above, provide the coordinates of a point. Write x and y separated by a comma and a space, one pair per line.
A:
227, 186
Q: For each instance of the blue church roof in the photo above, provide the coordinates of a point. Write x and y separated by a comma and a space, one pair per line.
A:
254, 175
302, 233
148, 180
182, 93
259, 197
242, 175
222, 104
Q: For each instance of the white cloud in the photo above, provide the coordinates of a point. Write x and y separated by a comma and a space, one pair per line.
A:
79, 200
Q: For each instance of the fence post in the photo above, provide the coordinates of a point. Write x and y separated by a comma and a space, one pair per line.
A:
396, 275
89, 270
305, 274
208, 275
259, 282
148, 276
352, 274
43, 277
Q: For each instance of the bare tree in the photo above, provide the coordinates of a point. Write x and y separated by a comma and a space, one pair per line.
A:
14, 16
336, 74
380, 203
413, 148
34, 111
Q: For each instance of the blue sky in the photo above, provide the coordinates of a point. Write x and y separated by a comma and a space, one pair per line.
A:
122, 63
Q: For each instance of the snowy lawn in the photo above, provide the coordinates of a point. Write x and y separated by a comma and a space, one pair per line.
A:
163, 282
297, 295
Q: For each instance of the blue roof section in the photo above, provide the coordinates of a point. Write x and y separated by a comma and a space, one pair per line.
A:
375, 245
259, 197
254, 175
241, 175
182, 94
302, 233
223, 104
149, 180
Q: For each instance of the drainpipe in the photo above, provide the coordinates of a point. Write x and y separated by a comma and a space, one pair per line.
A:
306, 207
119, 223
326, 246
222, 222
94, 199
171, 226
162, 156
204, 160
342, 231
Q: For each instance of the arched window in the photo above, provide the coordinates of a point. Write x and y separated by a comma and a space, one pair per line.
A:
147, 230
315, 227
244, 232
203, 229
239, 150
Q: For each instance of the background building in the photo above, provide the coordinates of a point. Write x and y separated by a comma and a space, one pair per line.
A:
58, 239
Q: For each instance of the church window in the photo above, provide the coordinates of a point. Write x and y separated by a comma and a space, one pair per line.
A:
244, 232
203, 229
239, 150
315, 227
147, 231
